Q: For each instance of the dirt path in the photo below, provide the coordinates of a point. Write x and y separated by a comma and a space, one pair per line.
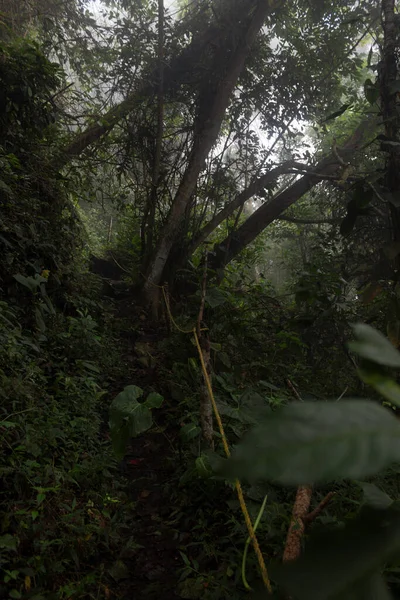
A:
149, 465
154, 573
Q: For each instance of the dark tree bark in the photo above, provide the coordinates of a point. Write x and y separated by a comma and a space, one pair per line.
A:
254, 188
271, 210
212, 112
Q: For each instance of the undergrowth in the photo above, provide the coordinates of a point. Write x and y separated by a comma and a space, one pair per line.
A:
63, 505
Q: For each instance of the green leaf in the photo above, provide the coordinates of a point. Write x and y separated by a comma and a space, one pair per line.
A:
40, 498
119, 571
248, 410
374, 497
129, 418
337, 113
215, 297
189, 431
154, 400
383, 384
215, 347
269, 386
374, 346
28, 282
341, 565
203, 467
224, 358
313, 442
8, 424
8, 542
39, 320
14, 594
185, 559
32, 283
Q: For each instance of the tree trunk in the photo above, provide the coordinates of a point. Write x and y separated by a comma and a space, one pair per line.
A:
151, 216
389, 104
254, 188
206, 135
177, 72
268, 212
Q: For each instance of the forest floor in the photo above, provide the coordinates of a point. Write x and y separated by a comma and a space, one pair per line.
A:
149, 464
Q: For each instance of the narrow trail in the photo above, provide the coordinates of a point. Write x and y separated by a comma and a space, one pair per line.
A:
149, 463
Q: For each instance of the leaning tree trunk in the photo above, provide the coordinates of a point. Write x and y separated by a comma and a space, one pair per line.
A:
175, 73
205, 136
179, 255
254, 188
233, 244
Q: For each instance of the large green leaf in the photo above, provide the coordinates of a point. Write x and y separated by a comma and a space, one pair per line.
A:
343, 564
248, 410
372, 345
215, 297
375, 497
189, 431
129, 418
318, 441
382, 383
8, 542
32, 283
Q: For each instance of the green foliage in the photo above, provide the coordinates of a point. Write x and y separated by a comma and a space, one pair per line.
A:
65, 510
373, 346
316, 442
27, 81
62, 503
36, 211
377, 353
129, 418
375, 497
345, 563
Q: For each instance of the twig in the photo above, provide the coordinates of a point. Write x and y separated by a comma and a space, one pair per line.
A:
166, 308
295, 392
343, 393
314, 513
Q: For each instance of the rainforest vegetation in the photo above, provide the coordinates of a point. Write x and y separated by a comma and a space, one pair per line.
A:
199, 299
